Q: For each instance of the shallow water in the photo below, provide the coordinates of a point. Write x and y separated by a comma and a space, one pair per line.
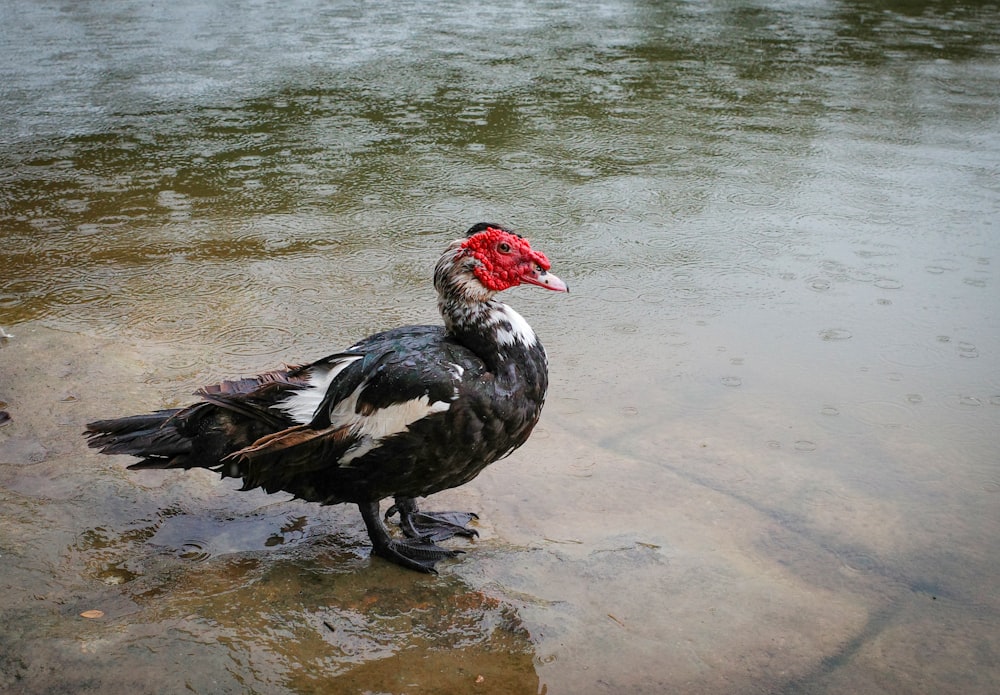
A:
768, 461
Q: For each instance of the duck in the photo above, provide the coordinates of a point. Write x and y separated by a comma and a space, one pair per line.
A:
402, 414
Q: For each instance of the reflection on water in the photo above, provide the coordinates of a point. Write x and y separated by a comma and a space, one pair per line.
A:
768, 459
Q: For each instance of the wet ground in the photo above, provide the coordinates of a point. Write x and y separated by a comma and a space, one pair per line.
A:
769, 459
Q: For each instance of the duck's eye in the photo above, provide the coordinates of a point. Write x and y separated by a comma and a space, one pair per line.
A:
503, 247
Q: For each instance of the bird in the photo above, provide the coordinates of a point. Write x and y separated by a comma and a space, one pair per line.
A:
401, 414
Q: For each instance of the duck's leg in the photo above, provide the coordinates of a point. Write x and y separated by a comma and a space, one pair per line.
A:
418, 554
433, 526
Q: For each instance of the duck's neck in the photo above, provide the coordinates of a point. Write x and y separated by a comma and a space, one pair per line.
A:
491, 329
473, 315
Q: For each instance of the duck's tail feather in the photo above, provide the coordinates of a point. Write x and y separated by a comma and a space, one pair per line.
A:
231, 415
153, 437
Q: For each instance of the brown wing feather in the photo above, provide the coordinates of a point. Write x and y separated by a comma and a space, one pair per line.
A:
285, 460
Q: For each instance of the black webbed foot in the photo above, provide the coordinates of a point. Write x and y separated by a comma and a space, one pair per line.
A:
418, 553
415, 554
431, 526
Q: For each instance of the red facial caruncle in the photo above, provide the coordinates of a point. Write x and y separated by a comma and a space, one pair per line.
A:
507, 260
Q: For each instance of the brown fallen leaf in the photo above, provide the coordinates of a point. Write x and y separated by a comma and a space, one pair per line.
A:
93, 613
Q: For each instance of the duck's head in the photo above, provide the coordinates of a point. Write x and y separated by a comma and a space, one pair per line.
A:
490, 259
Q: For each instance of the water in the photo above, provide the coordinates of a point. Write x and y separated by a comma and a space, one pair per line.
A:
769, 457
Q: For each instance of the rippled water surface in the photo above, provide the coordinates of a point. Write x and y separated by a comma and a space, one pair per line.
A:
769, 458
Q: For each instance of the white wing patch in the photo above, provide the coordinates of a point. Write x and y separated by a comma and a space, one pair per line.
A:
301, 406
384, 422
368, 429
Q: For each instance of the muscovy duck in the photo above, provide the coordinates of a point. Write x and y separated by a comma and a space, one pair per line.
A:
402, 414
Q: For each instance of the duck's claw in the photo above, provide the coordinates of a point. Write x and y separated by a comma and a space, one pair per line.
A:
431, 526
416, 553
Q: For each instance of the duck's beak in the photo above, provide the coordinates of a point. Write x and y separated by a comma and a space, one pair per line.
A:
535, 275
